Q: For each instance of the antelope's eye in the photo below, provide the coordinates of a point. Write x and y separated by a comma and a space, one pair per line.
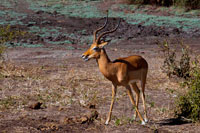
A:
96, 48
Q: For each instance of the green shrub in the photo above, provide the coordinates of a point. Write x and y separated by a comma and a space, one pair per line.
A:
8, 34
188, 105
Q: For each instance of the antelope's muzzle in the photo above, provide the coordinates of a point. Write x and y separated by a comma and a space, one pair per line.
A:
85, 57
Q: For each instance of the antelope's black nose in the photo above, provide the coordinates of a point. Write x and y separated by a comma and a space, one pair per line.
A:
85, 57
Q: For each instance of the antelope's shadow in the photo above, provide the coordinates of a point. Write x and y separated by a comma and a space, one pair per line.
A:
173, 121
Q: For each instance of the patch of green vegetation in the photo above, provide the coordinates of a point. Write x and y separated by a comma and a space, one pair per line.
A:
69, 8
60, 42
2, 13
34, 29
86, 40
123, 120
147, 20
188, 104
27, 45
7, 34
7, 3
52, 32
45, 32
117, 122
152, 104
126, 6
70, 48
88, 9
14, 14
11, 17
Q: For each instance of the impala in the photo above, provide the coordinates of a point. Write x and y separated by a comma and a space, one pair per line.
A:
121, 72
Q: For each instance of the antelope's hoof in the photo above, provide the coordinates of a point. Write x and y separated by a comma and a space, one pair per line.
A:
107, 121
146, 120
143, 123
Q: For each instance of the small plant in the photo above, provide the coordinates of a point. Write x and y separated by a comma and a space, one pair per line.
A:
123, 120
2, 50
179, 67
188, 105
7, 34
152, 104
117, 122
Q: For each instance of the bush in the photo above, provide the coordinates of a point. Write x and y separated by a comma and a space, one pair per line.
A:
190, 4
7, 34
179, 67
188, 105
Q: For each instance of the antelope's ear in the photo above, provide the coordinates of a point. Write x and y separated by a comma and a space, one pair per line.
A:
104, 44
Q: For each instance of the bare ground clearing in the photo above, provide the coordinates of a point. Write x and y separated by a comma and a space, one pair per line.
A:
66, 86
70, 90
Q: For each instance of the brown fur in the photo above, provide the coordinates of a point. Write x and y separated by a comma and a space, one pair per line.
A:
121, 72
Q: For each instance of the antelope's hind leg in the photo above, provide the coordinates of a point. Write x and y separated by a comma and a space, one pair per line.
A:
143, 82
130, 94
144, 104
137, 91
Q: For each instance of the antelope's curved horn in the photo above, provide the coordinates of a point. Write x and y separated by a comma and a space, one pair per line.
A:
95, 32
108, 32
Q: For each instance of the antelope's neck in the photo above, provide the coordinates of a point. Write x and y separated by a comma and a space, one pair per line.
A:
104, 63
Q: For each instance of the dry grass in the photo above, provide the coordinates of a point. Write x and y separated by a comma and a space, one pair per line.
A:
51, 86
70, 90
64, 87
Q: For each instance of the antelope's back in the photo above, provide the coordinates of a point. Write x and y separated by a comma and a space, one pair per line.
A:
134, 62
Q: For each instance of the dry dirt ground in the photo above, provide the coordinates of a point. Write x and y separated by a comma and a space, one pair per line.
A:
70, 88
51, 89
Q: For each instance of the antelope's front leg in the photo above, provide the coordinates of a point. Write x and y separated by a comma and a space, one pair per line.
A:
114, 90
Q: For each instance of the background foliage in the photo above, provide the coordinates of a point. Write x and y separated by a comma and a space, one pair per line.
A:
187, 103
190, 4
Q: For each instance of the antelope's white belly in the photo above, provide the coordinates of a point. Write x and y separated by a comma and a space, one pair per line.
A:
133, 81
